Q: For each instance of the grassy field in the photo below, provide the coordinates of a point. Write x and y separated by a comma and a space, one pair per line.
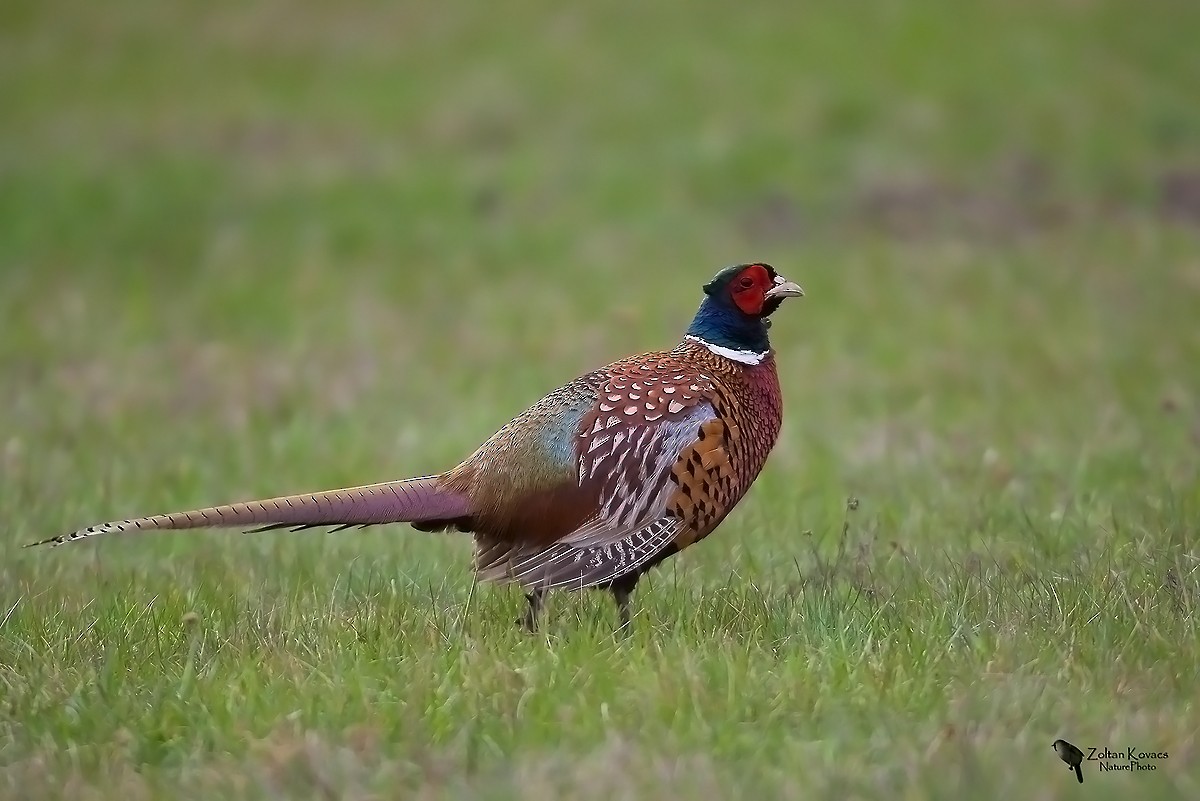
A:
249, 251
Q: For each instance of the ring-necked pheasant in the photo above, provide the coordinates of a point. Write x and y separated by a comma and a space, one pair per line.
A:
598, 481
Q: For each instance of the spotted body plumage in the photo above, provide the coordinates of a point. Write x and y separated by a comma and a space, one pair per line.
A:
598, 481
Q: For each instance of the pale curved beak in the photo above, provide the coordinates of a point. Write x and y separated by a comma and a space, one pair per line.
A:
785, 289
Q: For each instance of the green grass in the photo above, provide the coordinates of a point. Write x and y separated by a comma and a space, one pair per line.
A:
247, 252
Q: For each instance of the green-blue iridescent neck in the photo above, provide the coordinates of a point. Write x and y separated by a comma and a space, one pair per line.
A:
719, 322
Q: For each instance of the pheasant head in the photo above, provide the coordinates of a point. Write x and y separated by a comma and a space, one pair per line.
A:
738, 303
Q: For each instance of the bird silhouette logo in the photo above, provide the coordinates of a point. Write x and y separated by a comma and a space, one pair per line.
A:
1071, 755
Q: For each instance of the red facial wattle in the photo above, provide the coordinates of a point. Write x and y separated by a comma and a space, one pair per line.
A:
749, 289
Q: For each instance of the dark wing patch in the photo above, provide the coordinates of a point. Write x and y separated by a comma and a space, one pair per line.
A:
568, 567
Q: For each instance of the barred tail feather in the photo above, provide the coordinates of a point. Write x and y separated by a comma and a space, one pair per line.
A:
408, 501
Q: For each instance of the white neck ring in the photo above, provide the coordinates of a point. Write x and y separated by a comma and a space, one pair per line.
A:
741, 356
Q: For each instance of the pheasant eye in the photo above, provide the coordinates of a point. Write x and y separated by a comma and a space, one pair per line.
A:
745, 282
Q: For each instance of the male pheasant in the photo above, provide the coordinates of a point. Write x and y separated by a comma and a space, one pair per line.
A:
598, 481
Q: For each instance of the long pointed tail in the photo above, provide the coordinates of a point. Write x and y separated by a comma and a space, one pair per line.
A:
414, 500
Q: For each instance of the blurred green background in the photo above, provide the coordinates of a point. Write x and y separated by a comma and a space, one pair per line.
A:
250, 249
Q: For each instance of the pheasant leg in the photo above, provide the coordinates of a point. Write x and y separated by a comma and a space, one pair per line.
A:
536, 600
